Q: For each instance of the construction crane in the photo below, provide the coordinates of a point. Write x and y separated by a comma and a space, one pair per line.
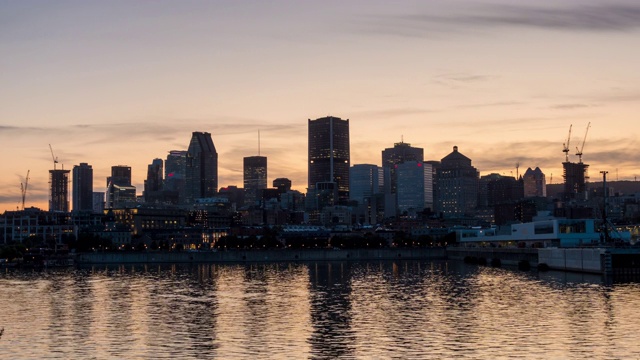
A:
565, 146
23, 188
579, 151
55, 159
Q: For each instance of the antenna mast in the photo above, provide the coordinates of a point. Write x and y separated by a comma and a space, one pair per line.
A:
258, 142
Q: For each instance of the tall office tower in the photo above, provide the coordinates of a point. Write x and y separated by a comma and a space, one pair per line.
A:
201, 168
535, 184
282, 184
154, 183
255, 178
329, 155
82, 187
175, 168
399, 153
120, 192
457, 185
414, 186
59, 181
575, 176
120, 175
365, 181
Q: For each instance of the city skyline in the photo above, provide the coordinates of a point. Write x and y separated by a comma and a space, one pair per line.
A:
121, 83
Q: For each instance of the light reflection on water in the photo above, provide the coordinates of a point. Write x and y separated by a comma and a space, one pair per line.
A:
402, 309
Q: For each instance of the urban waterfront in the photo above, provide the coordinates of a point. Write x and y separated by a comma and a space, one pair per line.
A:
387, 309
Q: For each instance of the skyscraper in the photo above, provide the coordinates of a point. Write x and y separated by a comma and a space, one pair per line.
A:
365, 180
154, 182
535, 184
282, 184
175, 168
119, 190
59, 190
398, 154
329, 155
414, 186
82, 187
255, 178
201, 167
457, 185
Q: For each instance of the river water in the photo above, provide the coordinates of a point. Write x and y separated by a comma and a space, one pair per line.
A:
362, 310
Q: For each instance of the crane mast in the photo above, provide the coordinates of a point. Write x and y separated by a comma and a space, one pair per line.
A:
23, 188
55, 159
579, 151
565, 146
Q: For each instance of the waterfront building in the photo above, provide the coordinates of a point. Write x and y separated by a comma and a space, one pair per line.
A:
457, 185
535, 184
201, 168
329, 155
59, 190
255, 178
17, 226
82, 188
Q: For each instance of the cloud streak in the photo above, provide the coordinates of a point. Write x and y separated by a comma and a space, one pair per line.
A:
606, 17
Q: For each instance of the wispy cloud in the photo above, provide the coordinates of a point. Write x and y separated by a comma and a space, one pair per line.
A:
570, 106
606, 17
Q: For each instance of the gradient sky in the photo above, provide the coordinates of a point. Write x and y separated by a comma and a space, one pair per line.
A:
124, 82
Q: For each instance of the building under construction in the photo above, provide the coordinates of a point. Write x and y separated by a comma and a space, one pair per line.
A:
575, 180
59, 181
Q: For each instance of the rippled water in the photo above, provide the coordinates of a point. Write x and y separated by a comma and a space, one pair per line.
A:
404, 309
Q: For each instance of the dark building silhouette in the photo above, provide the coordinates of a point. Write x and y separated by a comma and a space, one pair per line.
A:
255, 178
59, 190
400, 152
82, 187
495, 189
535, 184
120, 192
282, 184
154, 182
201, 168
457, 185
329, 155
575, 176
175, 168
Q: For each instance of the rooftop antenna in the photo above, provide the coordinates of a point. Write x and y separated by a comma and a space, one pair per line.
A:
258, 142
517, 167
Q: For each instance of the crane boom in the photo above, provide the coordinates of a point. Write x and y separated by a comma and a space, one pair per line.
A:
579, 151
23, 188
565, 148
55, 159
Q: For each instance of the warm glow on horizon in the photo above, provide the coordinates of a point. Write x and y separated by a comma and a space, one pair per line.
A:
123, 83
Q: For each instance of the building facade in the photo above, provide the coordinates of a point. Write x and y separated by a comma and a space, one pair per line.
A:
82, 187
201, 168
414, 186
457, 185
398, 154
535, 184
255, 178
59, 190
365, 180
329, 155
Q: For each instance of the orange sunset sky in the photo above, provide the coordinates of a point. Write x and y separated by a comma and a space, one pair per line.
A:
123, 82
